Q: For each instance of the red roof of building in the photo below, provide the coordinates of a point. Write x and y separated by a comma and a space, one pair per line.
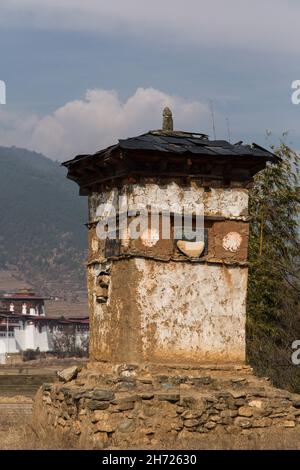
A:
22, 294
38, 318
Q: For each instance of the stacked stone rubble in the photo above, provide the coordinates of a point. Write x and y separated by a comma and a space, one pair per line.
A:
163, 409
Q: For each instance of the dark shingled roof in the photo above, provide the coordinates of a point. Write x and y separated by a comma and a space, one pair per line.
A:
169, 154
180, 143
186, 142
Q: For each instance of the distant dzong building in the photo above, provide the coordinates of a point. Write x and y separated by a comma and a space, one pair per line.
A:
24, 325
24, 302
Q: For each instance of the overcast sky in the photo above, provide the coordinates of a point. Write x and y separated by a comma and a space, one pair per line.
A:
81, 73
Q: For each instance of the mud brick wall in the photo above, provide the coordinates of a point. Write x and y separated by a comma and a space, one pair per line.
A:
154, 303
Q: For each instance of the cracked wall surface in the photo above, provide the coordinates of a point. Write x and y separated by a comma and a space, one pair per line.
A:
150, 302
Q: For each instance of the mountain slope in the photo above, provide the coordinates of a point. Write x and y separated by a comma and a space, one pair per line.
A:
42, 219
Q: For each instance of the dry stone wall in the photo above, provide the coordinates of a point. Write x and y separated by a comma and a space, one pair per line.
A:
126, 409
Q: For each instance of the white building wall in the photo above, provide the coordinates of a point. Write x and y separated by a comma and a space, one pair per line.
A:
8, 346
41, 339
81, 338
29, 336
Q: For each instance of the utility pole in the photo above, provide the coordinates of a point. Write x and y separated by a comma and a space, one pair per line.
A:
213, 117
7, 339
228, 130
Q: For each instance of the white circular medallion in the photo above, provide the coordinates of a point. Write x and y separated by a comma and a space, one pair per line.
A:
232, 241
150, 237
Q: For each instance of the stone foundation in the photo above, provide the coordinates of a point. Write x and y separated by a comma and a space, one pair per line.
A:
151, 406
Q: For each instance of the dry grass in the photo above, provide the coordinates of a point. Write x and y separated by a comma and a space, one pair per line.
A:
18, 434
275, 439
16, 431
16, 399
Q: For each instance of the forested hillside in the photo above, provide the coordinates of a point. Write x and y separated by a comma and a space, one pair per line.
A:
42, 219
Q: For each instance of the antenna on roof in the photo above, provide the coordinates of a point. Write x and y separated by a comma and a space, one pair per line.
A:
228, 130
212, 117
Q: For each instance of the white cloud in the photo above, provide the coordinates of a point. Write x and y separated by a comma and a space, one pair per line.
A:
87, 125
257, 24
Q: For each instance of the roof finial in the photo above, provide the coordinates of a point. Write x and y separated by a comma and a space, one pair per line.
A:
167, 119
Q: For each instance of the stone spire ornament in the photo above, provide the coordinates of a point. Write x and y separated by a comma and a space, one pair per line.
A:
167, 119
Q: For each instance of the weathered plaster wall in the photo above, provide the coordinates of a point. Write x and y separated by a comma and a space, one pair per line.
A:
195, 312
175, 312
170, 312
227, 202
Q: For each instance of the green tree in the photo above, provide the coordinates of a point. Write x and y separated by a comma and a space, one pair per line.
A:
274, 287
